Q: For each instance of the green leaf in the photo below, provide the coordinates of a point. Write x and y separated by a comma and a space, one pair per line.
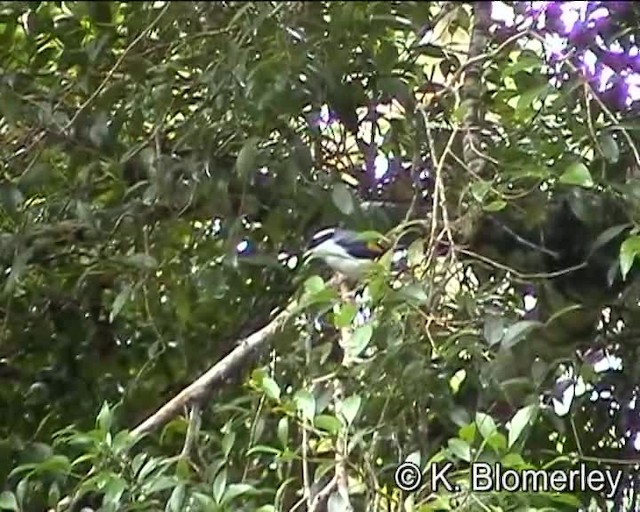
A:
56, 464
283, 431
629, 249
316, 292
10, 197
414, 294
53, 496
518, 331
479, 190
219, 486
513, 460
247, 156
460, 449
609, 147
524, 62
527, 98
539, 370
468, 432
142, 261
359, 340
493, 329
99, 131
519, 421
227, 442
315, 284
302, 157
397, 88
235, 490
271, 388
486, 426
344, 317
8, 501
176, 500
159, 484
498, 442
607, 236
342, 198
22, 489
113, 491
18, 266
495, 206
349, 407
105, 417
577, 174
120, 301
306, 404
327, 423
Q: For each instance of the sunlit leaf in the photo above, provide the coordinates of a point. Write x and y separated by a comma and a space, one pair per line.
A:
105, 418
120, 301
345, 315
330, 424
227, 442
479, 190
283, 431
577, 174
271, 388
609, 147
460, 449
607, 236
235, 490
519, 421
342, 198
314, 285
176, 500
246, 160
142, 261
18, 268
349, 407
518, 331
486, 426
359, 340
494, 327
8, 501
219, 486
629, 249
495, 206
113, 491
305, 403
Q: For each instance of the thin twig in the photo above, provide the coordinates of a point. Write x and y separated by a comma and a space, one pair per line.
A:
341, 446
193, 429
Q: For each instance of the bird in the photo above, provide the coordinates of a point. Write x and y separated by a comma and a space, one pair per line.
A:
345, 251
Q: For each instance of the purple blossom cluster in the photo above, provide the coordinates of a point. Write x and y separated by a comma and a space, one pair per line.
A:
593, 35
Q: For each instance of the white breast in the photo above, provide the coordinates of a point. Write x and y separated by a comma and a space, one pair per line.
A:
349, 267
340, 261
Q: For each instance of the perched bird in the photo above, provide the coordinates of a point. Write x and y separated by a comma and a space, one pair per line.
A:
345, 251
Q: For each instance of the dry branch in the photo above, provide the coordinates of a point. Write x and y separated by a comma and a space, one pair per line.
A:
218, 372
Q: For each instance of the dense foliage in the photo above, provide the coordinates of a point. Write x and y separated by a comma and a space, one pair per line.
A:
164, 164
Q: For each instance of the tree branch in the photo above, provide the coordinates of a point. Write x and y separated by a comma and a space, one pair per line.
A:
198, 388
472, 88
